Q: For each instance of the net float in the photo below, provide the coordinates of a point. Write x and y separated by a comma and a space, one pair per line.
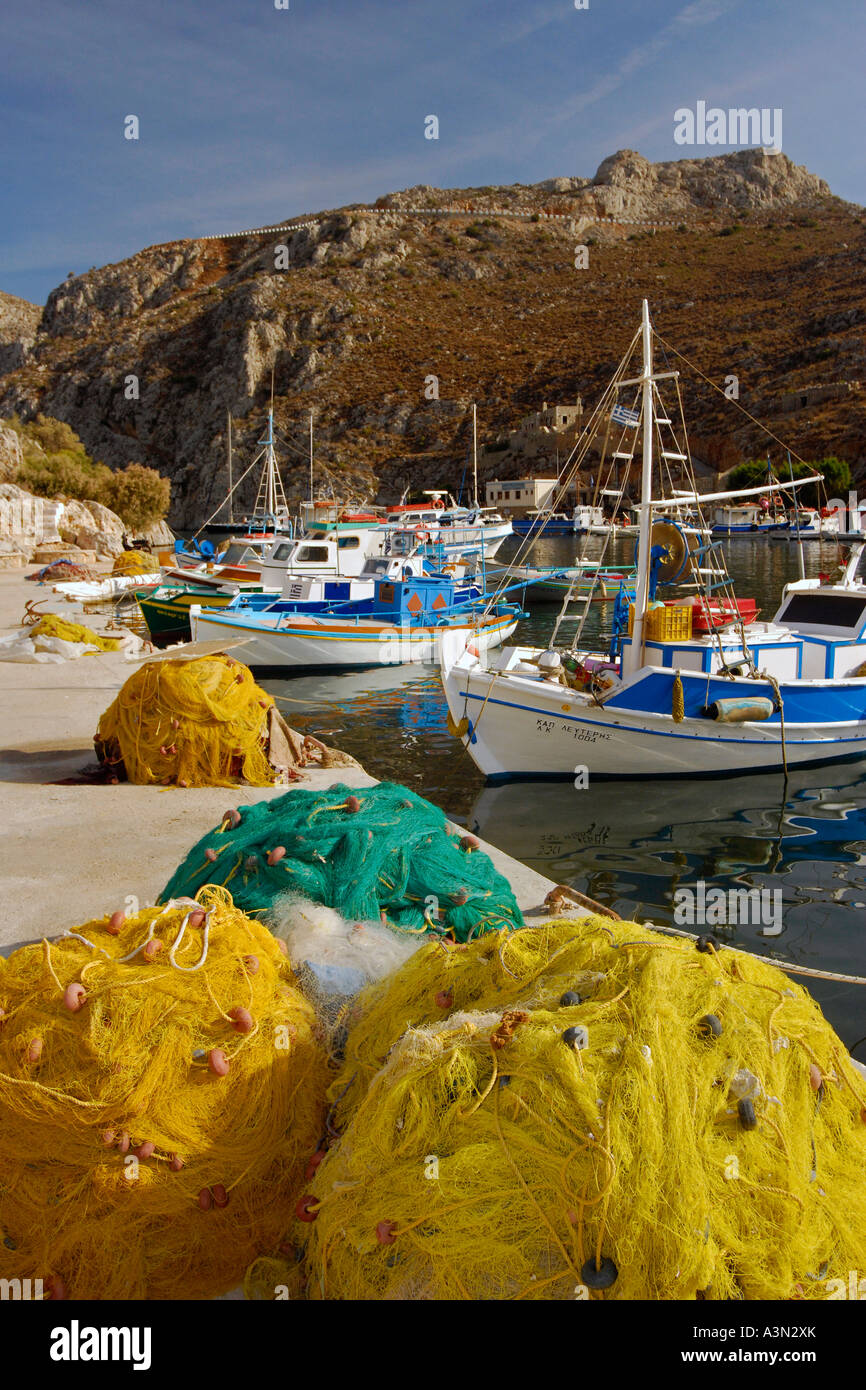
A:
314, 1162
163, 750
281, 946
385, 1232
353, 805
307, 1208
74, 996
469, 843
205, 1200
175, 1163
181, 782
746, 1112
175, 723
242, 1020
220, 1196
444, 999
115, 922
251, 863
252, 964
108, 1137
211, 856
601, 1277
576, 1038
145, 1150
233, 817
460, 897
151, 949
710, 1026
123, 1141
569, 999
56, 1288
34, 1050
218, 1062
276, 854
815, 1077
196, 918
2, 1016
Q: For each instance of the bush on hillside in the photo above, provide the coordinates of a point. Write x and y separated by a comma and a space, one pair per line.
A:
56, 464
139, 495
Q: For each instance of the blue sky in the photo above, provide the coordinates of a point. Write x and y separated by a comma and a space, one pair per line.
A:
250, 115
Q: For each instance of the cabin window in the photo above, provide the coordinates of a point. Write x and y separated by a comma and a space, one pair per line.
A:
313, 555
348, 542
282, 552
824, 610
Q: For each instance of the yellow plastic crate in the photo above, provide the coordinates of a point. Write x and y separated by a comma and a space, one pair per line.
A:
665, 623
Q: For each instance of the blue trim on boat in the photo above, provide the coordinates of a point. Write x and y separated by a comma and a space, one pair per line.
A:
717, 736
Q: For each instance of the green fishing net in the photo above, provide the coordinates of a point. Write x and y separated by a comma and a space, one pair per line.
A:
368, 852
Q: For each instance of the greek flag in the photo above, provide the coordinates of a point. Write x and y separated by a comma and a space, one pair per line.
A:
621, 415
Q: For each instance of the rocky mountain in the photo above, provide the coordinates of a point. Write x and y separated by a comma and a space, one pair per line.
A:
386, 322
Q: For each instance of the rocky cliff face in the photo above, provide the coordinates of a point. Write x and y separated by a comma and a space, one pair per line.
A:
386, 324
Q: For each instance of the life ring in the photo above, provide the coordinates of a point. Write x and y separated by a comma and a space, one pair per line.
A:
438, 504
421, 534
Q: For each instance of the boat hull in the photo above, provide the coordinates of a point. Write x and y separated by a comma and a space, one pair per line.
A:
302, 643
538, 728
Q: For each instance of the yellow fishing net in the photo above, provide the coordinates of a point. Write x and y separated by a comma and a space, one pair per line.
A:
135, 562
161, 1091
588, 1109
201, 723
52, 625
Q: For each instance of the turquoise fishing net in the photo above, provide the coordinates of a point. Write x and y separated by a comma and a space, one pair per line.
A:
361, 851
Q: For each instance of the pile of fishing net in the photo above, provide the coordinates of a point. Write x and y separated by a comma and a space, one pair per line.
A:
370, 853
161, 1092
52, 639
135, 562
53, 625
588, 1109
61, 571
196, 723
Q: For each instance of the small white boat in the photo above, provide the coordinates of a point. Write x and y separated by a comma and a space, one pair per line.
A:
401, 622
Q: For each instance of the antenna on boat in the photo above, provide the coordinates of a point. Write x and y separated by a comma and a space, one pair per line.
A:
311, 455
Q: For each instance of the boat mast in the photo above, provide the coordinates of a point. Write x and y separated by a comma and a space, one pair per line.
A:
635, 652
474, 455
231, 487
270, 490
311, 457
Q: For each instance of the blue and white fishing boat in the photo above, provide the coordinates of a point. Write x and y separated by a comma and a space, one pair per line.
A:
663, 701
401, 621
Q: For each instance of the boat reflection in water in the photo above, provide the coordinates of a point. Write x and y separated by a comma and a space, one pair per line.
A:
632, 846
